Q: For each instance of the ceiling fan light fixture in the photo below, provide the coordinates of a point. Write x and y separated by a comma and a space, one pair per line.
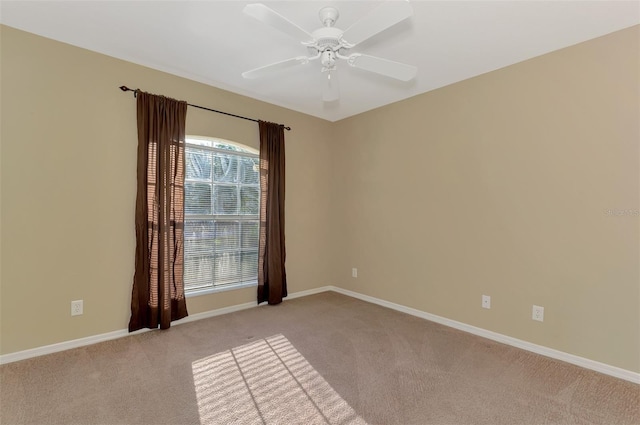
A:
328, 59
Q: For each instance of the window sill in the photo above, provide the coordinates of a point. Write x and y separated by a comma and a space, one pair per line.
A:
216, 289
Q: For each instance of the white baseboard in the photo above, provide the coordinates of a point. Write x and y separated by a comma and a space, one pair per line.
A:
309, 292
213, 313
514, 342
61, 346
94, 339
244, 306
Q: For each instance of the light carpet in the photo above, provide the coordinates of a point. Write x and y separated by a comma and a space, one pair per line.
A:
325, 358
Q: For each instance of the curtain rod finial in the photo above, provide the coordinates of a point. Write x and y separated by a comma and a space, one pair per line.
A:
125, 88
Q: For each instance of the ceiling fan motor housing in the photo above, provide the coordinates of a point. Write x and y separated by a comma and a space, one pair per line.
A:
327, 37
327, 44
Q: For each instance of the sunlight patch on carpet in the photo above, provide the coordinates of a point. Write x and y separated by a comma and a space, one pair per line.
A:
266, 382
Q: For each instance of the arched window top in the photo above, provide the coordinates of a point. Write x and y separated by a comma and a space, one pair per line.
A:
222, 144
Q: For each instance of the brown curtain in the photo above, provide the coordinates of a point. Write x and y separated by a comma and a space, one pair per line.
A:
158, 287
272, 278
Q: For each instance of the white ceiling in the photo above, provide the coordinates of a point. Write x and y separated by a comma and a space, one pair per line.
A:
213, 42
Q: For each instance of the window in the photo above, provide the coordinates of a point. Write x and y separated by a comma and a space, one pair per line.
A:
222, 206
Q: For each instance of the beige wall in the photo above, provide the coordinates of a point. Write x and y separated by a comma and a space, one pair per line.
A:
68, 187
497, 185
500, 185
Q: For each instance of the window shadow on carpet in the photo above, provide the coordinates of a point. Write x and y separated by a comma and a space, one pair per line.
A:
266, 382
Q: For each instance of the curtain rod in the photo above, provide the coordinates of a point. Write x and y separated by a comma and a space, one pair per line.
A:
125, 88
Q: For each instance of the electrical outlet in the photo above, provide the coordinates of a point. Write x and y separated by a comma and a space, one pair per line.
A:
538, 313
77, 308
486, 301
354, 272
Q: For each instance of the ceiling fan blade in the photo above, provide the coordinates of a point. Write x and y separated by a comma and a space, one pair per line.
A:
379, 19
397, 70
331, 89
272, 68
270, 17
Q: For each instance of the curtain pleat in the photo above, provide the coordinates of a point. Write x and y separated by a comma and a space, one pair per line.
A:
272, 277
158, 285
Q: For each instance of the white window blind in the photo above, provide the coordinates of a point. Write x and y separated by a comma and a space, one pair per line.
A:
222, 205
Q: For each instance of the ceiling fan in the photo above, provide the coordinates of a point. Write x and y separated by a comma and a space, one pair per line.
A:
330, 44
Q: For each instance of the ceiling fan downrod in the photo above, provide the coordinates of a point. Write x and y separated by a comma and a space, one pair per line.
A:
328, 16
